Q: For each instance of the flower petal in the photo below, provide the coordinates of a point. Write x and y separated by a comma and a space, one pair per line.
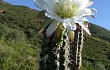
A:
68, 24
51, 3
46, 23
78, 19
85, 28
54, 16
39, 3
50, 6
49, 9
86, 12
89, 3
82, 3
51, 28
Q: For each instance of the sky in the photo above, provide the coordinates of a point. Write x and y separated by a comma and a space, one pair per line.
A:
102, 17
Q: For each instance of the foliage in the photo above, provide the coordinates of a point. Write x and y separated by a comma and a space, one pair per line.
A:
100, 32
18, 56
98, 66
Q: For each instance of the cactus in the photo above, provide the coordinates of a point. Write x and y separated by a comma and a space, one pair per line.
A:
66, 56
62, 50
48, 54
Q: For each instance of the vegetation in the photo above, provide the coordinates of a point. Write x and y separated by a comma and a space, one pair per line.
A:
20, 43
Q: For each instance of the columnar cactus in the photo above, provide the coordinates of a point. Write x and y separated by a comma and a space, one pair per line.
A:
66, 56
75, 50
63, 35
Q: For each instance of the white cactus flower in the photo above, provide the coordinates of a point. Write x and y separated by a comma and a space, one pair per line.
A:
67, 12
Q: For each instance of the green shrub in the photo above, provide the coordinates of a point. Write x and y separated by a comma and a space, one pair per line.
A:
99, 66
18, 57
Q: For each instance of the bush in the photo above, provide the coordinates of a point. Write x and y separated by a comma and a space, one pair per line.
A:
98, 66
18, 57
15, 35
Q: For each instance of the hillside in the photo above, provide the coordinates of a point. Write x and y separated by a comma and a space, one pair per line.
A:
100, 32
20, 44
